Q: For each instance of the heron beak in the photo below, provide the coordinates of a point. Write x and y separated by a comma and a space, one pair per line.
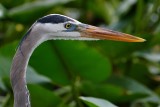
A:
106, 34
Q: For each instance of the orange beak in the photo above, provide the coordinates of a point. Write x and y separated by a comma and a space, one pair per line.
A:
89, 31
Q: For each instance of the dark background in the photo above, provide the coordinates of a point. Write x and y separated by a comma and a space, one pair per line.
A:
59, 72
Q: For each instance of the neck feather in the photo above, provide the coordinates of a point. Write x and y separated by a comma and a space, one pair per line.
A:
18, 70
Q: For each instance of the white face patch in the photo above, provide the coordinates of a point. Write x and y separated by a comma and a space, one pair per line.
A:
50, 27
53, 27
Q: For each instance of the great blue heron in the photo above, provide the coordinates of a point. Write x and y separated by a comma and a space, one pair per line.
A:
53, 26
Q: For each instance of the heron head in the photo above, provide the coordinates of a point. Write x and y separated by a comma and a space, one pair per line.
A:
57, 26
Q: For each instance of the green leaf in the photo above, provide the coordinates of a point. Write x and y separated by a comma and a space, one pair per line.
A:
125, 6
5, 64
97, 102
46, 62
2, 11
134, 87
4, 100
152, 57
106, 91
2, 86
110, 92
24, 12
140, 72
119, 49
83, 61
34, 77
41, 97
8, 50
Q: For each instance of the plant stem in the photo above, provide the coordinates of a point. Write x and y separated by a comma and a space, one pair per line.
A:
75, 92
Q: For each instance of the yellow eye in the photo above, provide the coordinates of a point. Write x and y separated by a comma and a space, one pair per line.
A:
67, 25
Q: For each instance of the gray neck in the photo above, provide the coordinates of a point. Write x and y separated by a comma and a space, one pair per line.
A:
18, 69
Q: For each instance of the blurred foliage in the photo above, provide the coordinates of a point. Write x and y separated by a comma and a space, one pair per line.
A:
86, 73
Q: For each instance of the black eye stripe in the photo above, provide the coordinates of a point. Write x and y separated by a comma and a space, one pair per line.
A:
54, 19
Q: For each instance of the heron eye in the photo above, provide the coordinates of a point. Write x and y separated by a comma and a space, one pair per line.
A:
67, 25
